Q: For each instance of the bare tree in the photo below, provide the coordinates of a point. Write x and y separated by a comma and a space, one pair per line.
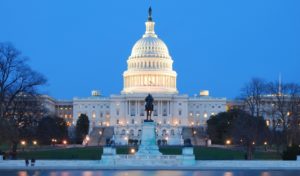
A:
249, 131
15, 77
286, 107
252, 94
16, 80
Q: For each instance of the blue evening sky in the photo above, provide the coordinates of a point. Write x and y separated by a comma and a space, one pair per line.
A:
217, 45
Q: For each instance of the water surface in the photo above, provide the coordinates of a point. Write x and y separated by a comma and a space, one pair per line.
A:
151, 173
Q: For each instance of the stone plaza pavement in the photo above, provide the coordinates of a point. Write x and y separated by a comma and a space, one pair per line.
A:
200, 165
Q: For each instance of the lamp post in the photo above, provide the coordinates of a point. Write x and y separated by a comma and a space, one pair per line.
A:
132, 151
100, 135
228, 142
65, 142
34, 144
23, 143
53, 141
87, 139
266, 145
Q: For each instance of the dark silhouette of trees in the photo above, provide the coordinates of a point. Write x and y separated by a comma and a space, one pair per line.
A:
17, 81
279, 104
286, 110
252, 95
16, 77
7, 131
249, 131
291, 153
82, 127
239, 127
219, 126
52, 128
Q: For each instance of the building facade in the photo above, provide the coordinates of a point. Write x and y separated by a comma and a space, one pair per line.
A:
64, 109
149, 71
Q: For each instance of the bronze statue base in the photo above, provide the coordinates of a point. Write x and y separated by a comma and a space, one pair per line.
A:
148, 120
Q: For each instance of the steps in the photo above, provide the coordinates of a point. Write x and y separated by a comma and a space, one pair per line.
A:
98, 135
196, 139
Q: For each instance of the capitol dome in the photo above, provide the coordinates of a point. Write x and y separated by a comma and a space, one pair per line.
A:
150, 47
150, 66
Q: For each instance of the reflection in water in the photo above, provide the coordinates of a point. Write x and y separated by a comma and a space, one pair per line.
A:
22, 173
228, 174
150, 173
265, 173
129, 173
87, 173
53, 173
65, 173
165, 173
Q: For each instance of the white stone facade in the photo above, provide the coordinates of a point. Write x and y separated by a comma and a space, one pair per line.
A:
150, 70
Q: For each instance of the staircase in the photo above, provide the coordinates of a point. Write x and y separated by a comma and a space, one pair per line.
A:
196, 139
98, 135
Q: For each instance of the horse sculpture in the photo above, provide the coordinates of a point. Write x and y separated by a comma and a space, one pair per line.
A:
149, 107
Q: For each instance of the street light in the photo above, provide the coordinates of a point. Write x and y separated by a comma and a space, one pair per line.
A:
87, 139
23, 143
132, 151
53, 140
228, 142
34, 142
265, 144
65, 142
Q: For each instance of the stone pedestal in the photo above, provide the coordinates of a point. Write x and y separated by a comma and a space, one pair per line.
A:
108, 156
148, 144
188, 157
148, 153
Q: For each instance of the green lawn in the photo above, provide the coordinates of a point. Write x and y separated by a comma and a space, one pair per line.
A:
171, 150
210, 153
4, 147
94, 153
86, 153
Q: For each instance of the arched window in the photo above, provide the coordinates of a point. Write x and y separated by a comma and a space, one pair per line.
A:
123, 132
164, 132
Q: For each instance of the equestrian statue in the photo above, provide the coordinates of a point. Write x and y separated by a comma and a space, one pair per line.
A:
149, 107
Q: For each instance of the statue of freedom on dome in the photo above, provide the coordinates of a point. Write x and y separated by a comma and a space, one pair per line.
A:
149, 107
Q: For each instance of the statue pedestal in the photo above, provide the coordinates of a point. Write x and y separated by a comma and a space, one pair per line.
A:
148, 141
148, 153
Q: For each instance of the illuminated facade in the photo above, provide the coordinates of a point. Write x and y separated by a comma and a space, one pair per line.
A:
150, 70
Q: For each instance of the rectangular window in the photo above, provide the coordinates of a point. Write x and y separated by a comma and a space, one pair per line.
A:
165, 112
179, 112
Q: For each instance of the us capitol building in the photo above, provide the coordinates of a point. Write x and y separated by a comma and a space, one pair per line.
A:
150, 70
